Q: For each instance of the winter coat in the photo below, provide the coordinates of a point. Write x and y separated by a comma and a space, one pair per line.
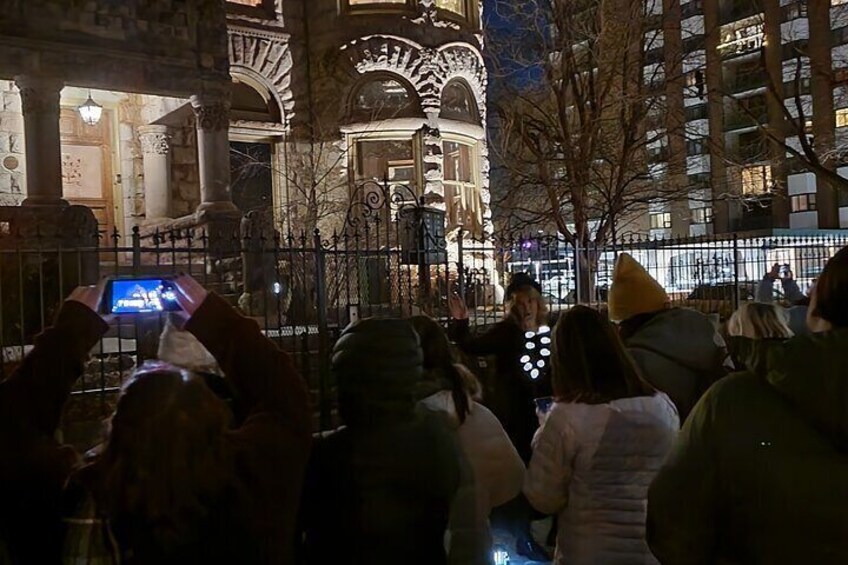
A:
592, 464
797, 312
379, 489
379, 495
680, 353
758, 473
270, 448
510, 396
498, 474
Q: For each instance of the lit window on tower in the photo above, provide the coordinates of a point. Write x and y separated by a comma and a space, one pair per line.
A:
455, 6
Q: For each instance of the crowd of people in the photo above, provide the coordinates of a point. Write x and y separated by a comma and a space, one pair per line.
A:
209, 456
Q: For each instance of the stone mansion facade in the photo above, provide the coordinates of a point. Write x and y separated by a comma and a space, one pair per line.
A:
215, 109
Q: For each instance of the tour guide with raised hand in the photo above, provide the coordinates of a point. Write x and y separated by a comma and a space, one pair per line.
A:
521, 346
758, 473
678, 350
173, 482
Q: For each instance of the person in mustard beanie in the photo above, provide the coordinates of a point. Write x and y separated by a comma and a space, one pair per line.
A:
677, 350
634, 291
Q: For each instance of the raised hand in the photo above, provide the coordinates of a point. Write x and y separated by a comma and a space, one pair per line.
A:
190, 293
91, 296
458, 309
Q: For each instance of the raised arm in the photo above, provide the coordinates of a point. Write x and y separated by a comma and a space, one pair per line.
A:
264, 376
765, 289
791, 291
33, 396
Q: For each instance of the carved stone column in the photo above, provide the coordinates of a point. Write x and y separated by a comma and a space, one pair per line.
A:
156, 152
212, 112
40, 101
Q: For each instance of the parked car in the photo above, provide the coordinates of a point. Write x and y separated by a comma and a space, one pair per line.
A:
721, 298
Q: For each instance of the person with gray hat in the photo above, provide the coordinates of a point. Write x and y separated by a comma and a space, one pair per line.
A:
379, 489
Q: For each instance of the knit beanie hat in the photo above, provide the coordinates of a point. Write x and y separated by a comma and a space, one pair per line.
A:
634, 291
377, 364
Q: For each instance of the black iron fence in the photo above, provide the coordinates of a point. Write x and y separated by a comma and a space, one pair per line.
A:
391, 258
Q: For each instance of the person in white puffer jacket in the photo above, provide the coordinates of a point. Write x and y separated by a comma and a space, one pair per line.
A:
600, 445
497, 471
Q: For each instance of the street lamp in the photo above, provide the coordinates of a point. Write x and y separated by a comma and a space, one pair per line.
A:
90, 111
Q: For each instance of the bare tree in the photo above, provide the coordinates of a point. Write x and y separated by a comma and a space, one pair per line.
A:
787, 121
581, 129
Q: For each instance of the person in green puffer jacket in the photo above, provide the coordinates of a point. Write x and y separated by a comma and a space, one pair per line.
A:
758, 473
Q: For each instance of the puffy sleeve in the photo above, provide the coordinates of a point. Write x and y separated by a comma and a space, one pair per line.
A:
549, 473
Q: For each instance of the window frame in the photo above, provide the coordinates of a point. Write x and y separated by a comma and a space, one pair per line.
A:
476, 180
352, 115
264, 9
347, 9
843, 113
415, 184
664, 216
707, 215
475, 109
471, 17
809, 202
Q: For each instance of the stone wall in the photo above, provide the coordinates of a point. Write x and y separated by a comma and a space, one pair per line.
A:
185, 184
12, 166
166, 47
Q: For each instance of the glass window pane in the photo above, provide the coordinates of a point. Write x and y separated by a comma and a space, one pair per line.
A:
379, 159
456, 6
457, 103
457, 162
382, 96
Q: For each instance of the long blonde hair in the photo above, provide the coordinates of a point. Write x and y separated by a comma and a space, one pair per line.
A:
532, 294
756, 320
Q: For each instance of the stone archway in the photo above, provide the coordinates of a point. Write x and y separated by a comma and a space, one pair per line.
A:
266, 59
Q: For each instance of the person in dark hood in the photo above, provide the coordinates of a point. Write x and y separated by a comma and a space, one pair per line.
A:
758, 472
379, 489
521, 346
751, 330
678, 350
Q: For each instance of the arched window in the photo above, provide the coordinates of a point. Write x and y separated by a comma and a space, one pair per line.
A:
383, 97
253, 103
458, 103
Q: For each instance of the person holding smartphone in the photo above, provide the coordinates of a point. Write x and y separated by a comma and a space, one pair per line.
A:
173, 482
798, 301
599, 445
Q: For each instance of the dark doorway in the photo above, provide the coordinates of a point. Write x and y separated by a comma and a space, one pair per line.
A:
251, 175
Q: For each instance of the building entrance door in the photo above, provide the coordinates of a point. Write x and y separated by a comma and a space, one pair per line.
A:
87, 167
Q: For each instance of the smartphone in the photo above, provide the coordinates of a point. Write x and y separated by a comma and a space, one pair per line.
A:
784, 270
141, 296
544, 404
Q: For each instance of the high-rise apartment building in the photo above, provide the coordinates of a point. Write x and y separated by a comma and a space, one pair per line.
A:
756, 99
